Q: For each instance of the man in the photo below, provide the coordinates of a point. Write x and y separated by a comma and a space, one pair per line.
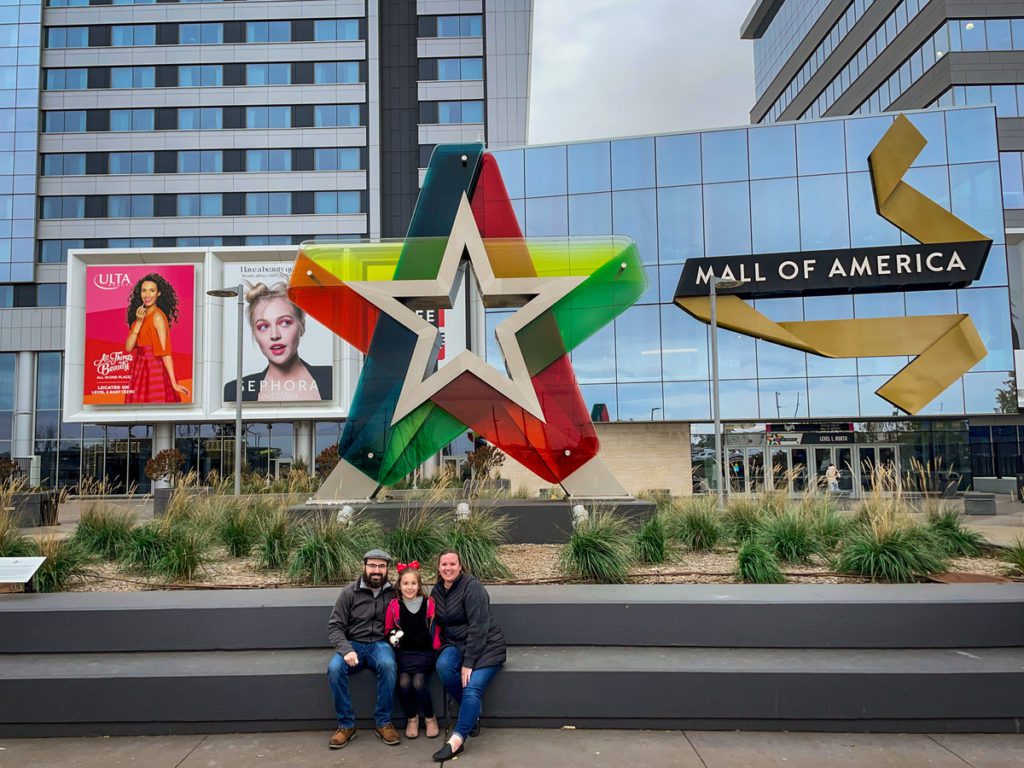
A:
832, 478
356, 630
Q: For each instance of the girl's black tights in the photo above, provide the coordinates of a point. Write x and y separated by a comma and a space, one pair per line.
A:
415, 694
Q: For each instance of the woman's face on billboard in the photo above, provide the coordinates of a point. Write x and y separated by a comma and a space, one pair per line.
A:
149, 293
276, 330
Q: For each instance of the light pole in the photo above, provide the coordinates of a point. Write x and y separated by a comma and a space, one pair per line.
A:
227, 293
715, 283
653, 410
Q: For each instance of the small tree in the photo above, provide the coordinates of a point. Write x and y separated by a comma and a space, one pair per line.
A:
327, 460
1006, 396
484, 460
166, 465
8, 469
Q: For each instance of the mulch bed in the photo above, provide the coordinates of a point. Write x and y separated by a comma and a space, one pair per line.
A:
529, 564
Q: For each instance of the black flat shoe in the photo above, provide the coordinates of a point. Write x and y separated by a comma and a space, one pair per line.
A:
476, 730
446, 752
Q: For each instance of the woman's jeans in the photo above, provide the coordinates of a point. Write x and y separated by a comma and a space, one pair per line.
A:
470, 698
378, 657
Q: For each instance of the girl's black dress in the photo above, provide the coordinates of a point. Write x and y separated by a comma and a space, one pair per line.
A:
416, 649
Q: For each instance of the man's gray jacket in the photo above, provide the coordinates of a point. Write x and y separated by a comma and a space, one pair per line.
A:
358, 616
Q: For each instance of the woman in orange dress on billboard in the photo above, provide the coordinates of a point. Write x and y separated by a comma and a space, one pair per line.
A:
151, 311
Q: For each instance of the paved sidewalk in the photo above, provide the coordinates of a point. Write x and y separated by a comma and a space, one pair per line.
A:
515, 748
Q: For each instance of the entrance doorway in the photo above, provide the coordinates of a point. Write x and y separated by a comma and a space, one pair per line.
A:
871, 459
789, 469
746, 470
842, 457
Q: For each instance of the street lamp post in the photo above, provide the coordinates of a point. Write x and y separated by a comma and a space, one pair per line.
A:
715, 283
656, 408
227, 293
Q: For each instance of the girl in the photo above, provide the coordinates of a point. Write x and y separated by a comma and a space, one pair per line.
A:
411, 629
152, 309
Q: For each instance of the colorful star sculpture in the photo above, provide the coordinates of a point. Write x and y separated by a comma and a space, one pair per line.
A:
405, 408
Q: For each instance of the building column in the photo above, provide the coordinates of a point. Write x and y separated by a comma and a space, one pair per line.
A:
24, 402
430, 468
163, 438
304, 443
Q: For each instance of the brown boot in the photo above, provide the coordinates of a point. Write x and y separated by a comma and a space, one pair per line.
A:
388, 734
341, 737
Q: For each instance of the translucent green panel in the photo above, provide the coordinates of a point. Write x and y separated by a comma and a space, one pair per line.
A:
562, 257
448, 178
368, 431
611, 288
421, 434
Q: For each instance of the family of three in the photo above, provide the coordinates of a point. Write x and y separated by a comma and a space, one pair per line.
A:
403, 637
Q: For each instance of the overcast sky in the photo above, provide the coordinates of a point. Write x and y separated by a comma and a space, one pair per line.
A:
606, 68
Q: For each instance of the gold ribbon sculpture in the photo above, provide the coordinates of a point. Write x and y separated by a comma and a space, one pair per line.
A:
946, 346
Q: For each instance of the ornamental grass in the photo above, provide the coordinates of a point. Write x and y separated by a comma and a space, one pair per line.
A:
419, 535
238, 529
741, 519
103, 531
476, 539
695, 523
275, 539
945, 524
789, 536
599, 549
756, 564
886, 544
1013, 556
650, 543
323, 554
66, 561
13, 543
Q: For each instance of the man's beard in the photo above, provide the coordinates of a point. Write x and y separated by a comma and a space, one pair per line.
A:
374, 580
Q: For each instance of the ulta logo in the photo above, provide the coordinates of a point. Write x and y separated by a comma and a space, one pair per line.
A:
109, 281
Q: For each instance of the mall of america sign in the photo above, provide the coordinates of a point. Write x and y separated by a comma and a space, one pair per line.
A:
951, 254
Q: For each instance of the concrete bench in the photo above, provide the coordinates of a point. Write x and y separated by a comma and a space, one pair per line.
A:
976, 503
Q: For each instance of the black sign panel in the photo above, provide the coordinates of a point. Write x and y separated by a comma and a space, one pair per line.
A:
828, 437
802, 426
854, 270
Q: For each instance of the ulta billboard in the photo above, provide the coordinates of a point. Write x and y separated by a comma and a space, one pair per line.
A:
139, 334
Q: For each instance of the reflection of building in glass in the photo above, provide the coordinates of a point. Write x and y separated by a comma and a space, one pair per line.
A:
771, 189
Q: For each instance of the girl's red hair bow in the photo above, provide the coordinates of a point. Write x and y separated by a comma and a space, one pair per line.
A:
414, 564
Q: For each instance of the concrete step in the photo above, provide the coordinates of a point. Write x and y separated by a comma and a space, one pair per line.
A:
217, 691
682, 615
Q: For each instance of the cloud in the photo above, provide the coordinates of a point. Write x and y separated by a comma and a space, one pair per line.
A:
604, 68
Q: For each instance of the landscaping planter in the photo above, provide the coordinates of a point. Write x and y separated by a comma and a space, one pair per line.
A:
27, 509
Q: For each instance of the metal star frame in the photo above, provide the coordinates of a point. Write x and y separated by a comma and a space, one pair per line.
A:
405, 408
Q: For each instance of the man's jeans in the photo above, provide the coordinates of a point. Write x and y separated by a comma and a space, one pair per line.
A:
378, 657
470, 698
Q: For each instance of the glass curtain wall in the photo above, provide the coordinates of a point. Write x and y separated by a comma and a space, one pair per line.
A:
19, 136
776, 188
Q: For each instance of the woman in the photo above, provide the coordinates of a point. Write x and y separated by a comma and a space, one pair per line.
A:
277, 325
472, 646
152, 309
411, 627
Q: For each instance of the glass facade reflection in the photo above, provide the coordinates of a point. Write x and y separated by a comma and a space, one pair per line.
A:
19, 135
765, 189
